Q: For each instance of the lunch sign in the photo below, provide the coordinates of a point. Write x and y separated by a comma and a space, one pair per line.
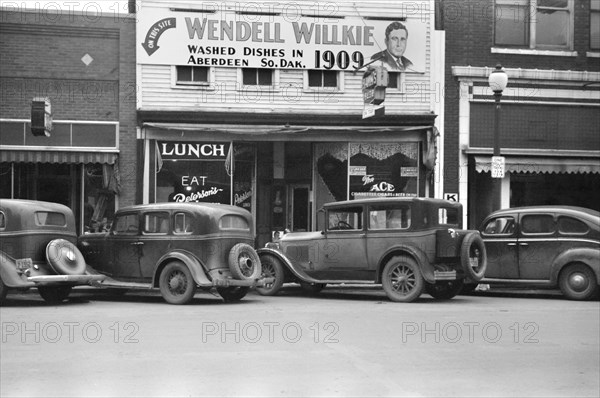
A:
276, 40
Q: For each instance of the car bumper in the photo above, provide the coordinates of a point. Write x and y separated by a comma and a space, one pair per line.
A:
70, 279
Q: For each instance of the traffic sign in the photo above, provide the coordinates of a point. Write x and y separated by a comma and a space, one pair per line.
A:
498, 166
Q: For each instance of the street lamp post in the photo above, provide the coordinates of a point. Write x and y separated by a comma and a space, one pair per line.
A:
497, 80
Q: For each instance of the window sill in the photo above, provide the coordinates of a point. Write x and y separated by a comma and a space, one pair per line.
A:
191, 86
528, 51
593, 54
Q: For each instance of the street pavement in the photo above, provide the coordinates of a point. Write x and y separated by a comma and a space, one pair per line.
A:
349, 341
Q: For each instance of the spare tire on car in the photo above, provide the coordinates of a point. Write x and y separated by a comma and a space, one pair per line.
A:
65, 258
244, 262
473, 257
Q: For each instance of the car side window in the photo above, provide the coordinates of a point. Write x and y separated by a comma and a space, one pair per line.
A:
183, 224
570, 225
537, 224
499, 226
448, 216
2, 220
156, 223
345, 219
126, 224
389, 217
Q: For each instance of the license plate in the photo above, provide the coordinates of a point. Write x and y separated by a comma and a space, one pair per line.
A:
24, 263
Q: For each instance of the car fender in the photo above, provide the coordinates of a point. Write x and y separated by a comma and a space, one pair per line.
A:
287, 263
586, 255
418, 255
191, 261
8, 273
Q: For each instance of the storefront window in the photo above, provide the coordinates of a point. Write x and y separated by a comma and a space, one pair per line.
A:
331, 173
215, 172
384, 169
99, 197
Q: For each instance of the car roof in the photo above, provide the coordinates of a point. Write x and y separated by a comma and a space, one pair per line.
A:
583, 212
389, 199
29, 205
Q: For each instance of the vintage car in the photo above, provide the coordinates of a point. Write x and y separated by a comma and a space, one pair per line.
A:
409, 245
544, 246
177, 247
37, 249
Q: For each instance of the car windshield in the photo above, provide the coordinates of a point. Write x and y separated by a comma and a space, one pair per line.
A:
43, 218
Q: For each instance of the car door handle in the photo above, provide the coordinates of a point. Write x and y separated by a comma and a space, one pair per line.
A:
511, 244
137, 243
523, 244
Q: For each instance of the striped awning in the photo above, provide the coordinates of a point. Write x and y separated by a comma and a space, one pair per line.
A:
517, 164
20, 156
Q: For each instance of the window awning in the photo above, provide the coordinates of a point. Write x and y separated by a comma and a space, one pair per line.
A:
184, 131
21, 156
516, 164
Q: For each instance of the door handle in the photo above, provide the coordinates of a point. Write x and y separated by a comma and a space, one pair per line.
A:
524, 244
511, 244
137, 243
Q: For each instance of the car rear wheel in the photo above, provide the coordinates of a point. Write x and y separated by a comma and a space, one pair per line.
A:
244, 262
402, 279
176, 283
54, 294
312, 288
578, 282
473, 256
232, 293
271, 268
444, 290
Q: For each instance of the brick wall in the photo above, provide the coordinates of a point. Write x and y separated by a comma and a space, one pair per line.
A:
469, 27
84, 62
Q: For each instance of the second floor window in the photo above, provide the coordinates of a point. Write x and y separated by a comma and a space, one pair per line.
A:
257, 77
322, 78
192, 74
594, 24
534, 24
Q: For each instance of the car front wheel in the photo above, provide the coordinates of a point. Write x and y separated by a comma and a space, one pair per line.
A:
176, 283
271, 268
444, 290
578, 282
402, 279
54, 294
232, 293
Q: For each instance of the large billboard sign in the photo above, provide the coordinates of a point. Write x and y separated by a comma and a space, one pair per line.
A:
247, 36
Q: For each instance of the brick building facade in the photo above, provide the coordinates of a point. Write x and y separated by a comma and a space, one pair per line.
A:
84, 64
549, 111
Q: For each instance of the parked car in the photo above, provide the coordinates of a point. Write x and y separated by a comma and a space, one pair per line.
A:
544, 246
177, 247
409, 245
37, 249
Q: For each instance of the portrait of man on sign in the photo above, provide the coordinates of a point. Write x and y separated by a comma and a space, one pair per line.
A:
392, 58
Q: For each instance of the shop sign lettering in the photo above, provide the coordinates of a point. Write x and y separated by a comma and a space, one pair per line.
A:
193, 151
382, 187
196, 196
240, 198
284, 37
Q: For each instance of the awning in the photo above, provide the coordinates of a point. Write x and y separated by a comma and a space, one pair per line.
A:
515, 164
21, 156
184, 131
